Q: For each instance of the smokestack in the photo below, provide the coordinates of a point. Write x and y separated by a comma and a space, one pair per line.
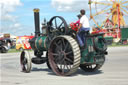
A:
37, 22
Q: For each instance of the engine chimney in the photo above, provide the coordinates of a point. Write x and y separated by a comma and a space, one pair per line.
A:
37, 22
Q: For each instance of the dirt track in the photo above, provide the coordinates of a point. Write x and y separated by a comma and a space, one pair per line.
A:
113, 72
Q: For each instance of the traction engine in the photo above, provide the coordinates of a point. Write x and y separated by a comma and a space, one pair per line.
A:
63, 53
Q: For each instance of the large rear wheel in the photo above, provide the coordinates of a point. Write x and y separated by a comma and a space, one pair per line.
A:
64, 55
92, 67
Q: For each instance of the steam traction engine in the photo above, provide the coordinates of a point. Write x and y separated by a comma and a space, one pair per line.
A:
63, 53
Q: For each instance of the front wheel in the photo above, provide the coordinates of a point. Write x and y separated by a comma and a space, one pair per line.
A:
48, 61
25, 61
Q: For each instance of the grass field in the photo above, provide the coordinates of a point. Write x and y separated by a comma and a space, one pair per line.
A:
13, 51
117, 45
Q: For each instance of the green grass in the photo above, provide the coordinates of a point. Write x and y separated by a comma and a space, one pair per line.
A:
13, 51
116, 45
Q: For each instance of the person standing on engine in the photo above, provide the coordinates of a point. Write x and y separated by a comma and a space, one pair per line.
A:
83, 28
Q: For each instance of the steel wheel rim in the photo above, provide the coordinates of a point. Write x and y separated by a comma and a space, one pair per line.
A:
60, 59
65, 62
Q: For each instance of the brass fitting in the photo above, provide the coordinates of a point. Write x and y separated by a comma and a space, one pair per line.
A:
36, 10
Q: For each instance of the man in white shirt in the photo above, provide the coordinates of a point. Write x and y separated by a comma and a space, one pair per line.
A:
83, 28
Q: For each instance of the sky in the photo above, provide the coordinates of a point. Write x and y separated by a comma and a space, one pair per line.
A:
17, 17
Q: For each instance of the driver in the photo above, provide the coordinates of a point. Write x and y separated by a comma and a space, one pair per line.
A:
83, 28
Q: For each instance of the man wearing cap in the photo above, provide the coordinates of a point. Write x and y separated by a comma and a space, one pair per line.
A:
83, 28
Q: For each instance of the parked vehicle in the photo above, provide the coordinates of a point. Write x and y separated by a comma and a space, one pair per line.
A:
3, 46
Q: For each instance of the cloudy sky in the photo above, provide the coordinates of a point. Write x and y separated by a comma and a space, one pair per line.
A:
16, 16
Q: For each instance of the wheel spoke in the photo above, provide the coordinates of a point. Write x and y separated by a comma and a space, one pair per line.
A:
68, 59
24, 61
57, 59
63, 44
67, 66
55, 54
66, 46
55, 23
60, 65
60, 24
57, 46
69, 52
63, 68
61, 47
